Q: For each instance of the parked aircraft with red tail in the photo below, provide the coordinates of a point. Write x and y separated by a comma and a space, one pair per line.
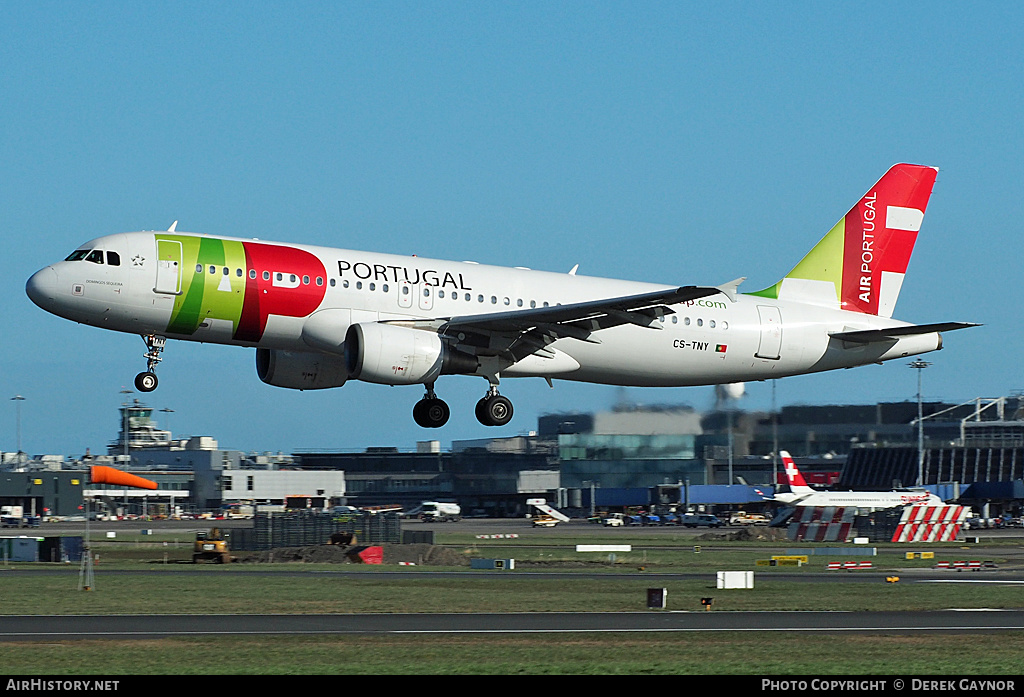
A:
800, 494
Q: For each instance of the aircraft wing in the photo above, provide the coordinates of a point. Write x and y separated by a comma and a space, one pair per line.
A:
869, 336
518, 333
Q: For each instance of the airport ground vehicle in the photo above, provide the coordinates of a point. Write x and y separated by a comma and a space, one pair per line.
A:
440, 512
744, 518
702, 520
544, 521
211, 545
615, 520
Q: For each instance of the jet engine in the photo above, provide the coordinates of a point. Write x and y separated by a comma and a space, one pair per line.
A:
388, 354
297, 370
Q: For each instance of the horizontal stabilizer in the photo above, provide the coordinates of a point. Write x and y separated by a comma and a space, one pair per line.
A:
869, 336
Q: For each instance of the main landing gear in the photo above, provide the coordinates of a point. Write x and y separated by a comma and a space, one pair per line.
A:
433, 412
147, 382
493, 409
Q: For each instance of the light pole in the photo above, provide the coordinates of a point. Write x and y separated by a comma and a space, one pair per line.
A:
165, 410
920, 365
18, 399
127, 426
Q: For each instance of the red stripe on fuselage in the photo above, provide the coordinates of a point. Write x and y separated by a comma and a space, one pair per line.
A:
263, 298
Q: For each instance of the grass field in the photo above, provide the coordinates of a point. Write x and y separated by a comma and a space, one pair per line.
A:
620, 586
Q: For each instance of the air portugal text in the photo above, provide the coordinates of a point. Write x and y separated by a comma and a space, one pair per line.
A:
398, 274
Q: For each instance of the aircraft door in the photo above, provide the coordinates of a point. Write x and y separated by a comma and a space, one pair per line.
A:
406, 291
771, 332
168, 267
426, 296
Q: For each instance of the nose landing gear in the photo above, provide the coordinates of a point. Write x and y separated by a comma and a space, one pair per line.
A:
146, 381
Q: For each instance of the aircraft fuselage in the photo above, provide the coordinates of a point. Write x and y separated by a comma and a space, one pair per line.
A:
269, 295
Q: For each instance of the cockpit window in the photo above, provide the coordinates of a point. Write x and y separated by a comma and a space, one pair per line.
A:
95, 256
113, 259
77, 255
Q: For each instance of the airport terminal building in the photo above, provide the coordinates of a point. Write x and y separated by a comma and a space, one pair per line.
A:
626, 457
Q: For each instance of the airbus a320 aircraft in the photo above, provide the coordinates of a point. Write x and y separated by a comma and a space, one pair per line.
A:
802, 495
319, 316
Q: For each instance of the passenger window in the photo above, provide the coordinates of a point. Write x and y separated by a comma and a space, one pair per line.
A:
700, 322
227, 271
440, 293
95, 256
333, 283
213, 269
711, 324
266, 275
238, 272
373, 286
384, 287
319, 280
113, 259
305, 280
252, 274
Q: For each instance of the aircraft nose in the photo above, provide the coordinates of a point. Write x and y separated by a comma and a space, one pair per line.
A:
41, 288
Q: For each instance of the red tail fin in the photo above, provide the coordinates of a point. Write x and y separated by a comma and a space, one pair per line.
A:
793, 475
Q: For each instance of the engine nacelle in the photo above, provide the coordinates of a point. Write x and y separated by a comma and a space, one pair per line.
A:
393, 355
297, 370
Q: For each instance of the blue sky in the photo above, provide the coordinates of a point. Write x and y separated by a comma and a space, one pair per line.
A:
671, 142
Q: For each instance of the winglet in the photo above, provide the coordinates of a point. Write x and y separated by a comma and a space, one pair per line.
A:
173, 225
572, 271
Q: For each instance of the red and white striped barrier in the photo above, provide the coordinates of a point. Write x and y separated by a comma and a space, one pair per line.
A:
849, 565
923, 523
496, 537
821, 524
969, 565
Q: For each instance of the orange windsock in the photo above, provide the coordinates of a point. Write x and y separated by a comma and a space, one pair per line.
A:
109, 475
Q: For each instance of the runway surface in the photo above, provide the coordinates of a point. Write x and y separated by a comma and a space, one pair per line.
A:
46, 627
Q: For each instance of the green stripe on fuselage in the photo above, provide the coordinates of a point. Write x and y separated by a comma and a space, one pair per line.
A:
207, 295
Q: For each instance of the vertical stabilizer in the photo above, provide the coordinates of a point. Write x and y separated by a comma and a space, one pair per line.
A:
797, 483
860, 264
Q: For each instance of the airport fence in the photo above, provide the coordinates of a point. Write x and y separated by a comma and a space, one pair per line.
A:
304, 528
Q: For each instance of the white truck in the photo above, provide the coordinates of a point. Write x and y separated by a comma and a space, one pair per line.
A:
440, 512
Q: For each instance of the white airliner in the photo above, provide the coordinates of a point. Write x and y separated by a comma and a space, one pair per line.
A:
318, 316
800, 494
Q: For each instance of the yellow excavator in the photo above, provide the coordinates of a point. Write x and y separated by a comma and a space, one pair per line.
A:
211, 546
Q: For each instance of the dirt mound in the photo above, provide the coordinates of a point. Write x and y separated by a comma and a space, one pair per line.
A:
419, 554
751, 534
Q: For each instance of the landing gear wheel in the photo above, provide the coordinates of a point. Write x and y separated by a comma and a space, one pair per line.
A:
431, 412
494, 410
145, 382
